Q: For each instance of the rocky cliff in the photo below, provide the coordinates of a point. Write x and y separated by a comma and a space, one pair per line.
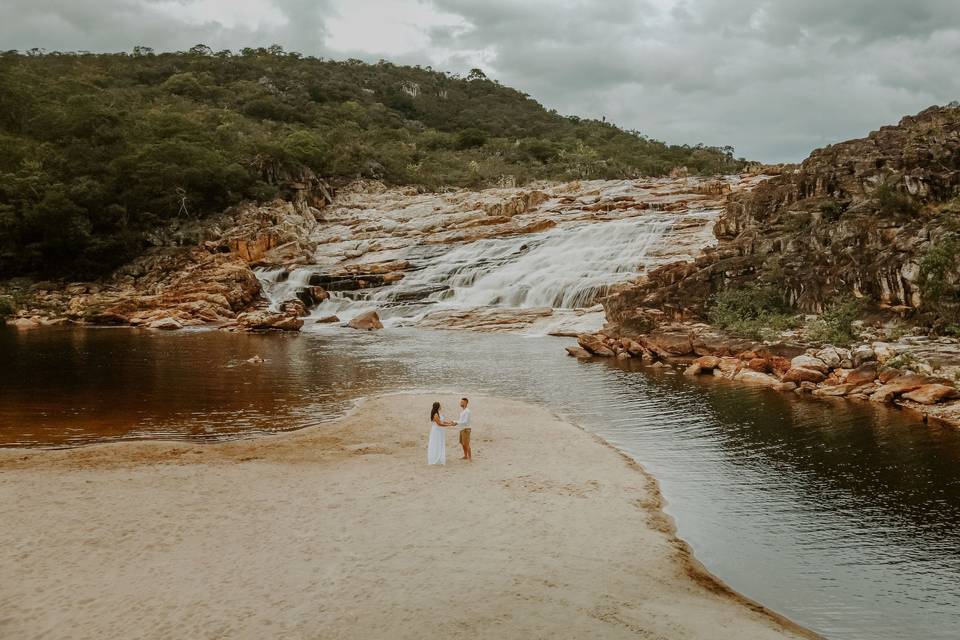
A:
873, 218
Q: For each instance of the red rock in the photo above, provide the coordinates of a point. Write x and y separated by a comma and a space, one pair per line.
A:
367, 321
931, 394
578, 352
863, 374
887, 374
729, 367
809, 362
708, 362
800, 375
673, 343
834, 390
595, 345
761, 365
328, 319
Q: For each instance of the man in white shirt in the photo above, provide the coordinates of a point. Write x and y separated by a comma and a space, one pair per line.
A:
464, 423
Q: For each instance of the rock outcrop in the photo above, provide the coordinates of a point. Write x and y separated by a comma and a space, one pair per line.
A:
854, 219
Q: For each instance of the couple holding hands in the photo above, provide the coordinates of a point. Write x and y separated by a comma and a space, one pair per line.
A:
437, 445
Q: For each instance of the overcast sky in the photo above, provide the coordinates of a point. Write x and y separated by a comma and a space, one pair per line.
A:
774, 78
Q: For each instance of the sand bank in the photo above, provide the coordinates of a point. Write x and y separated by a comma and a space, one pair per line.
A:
343, 531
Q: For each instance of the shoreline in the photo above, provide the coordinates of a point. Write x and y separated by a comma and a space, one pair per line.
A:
858, 374
346, 443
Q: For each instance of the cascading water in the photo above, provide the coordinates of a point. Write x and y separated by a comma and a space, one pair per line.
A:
568, 267
280, 286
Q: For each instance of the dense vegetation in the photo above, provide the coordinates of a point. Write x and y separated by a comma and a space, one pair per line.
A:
759, 312
99, 149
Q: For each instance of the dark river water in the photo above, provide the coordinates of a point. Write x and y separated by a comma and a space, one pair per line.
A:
843, 516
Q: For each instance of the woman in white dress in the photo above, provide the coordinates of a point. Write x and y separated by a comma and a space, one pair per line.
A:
437, 445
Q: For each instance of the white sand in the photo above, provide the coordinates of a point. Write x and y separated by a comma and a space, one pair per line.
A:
343, 531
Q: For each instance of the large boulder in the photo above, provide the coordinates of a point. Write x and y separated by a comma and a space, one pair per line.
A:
671, 343
931, 394
897, 386
367, 321
267, 320
799, 375
830, 356
810, 362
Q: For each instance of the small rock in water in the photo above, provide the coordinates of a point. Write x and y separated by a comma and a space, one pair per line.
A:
366, 321
255, 360
328, 320
169, 324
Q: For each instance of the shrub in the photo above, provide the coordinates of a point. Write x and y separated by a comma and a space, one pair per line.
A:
7, 308
894, 202
831, 211
755, 311
935, 268
835, 324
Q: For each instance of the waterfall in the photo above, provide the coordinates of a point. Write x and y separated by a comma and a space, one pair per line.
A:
567, 267
278, 285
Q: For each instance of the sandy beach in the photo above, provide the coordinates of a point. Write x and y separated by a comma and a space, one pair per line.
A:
343, 531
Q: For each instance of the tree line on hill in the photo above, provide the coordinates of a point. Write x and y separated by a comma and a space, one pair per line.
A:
101, 148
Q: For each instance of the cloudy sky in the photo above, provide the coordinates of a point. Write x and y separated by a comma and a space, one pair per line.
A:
774, 78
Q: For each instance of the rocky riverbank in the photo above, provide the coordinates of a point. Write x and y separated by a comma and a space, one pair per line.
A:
897, 373
363, 239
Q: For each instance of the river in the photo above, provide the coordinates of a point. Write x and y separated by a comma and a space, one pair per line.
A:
843, 516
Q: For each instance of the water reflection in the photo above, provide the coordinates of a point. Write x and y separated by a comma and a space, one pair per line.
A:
843, 516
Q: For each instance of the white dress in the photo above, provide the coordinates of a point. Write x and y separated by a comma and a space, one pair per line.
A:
437, 445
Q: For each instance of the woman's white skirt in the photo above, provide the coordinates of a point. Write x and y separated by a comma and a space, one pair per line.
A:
436, 446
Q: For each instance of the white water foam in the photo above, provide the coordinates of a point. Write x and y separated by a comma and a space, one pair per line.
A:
565, 268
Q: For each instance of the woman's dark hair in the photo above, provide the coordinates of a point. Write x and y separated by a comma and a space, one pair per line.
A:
435, 410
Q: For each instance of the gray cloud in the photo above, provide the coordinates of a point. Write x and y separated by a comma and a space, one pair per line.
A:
774, 78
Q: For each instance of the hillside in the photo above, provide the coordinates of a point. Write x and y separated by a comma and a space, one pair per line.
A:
868, 226
101, 148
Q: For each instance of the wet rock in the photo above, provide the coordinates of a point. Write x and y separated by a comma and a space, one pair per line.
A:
167, 323
267, 320
834, 390
750, 376
578, 352
595, 345
708, 363
728, 367
327, 320
368, 321
899, 385
931, 394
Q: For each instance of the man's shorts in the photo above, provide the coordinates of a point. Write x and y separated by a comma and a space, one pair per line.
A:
465, 437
